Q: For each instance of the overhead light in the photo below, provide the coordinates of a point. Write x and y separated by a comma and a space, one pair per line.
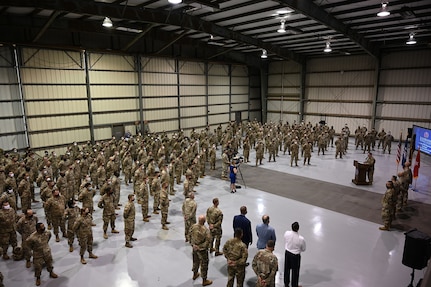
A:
175, 1
411, 40
327, 47
264, 54
107, 23
384, 10
282, 28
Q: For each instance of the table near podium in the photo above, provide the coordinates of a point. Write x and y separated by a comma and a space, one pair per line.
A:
361, 173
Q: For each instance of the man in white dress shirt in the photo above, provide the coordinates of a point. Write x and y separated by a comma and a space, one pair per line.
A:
294, 245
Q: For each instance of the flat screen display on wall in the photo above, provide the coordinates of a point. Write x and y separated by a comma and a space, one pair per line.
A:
422, 138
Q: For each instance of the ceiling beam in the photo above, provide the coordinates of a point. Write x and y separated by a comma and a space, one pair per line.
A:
138, 37
52, 18
315, 12
185, 21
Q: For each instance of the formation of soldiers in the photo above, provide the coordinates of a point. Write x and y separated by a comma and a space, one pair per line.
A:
152, 163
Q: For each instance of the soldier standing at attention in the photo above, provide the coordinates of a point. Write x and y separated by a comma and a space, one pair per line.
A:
86, 197
143, 195
306, 148
189, 213
294, 151
71, 214
26, 226
200, 239
164, 205
82, 229
236, 253
265, 265
55, 207
259, 152
38, 242
225, 164
215, 219
129, 220
388, 205
107, 203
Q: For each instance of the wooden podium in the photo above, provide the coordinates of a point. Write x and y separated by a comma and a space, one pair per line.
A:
361, 173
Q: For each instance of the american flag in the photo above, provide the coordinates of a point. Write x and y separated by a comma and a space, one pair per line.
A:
399, 150
404, 159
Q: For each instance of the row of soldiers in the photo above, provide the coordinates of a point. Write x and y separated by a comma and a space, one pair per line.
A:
367, 140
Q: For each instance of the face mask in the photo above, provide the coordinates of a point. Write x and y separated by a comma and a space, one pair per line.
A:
6, 206
27, 177
11, 175
10, 191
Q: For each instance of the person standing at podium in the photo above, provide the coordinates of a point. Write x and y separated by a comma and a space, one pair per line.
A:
370, 160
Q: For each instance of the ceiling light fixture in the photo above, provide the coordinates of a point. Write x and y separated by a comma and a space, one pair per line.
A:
175, 1
327, 47
384, 10
107, 23
411, 40
264, 54
282, 28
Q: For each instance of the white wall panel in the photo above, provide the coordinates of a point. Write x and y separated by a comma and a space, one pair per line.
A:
282, 67
46, 76
192, 79
58, 107
237, 98
44, 58
162, 65
54, 92
239, 107
156, 103
338, 108
283, 91
405, 111
194, 68
108, 77
345, 93
7, 75
192, 101
218, 80
39, 123
112, 91
166, 125
102, 133
405, 94
159, 78
115, 105
161, 114
11, 126
10, 109
216, 119
13, 141
103, 119
193, 122
285, 80
221, 99
217, 69
58, 138
159, 91
240, 90
193, 111
218, 109
99, 61
240, 81
285, 106
406, 77
402, 59
192, 90
347, 79
218, 90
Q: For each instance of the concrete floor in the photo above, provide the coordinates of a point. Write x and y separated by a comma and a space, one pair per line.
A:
341, 250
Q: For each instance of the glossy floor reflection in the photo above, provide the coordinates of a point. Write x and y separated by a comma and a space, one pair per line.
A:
341, 250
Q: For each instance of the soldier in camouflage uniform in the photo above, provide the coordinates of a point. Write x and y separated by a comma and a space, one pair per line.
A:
388, 205
71, 214
107, 203
127, 168
25, 192
189, 213
215, 219
1, 275
26, 226
164, 205
306, 148
38, 242
82, 229
259, 152
265, 265
200, 239
294, 151
155, 192
225, 165
236, 253
7, 228
143, 195
55, 207
129, 220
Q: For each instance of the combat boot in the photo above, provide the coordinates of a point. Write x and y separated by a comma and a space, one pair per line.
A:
115, 231
218, 253
70, 248
164, 227
196, 275
207, 282
105, 235
49, 226
57, 238
38, 281
28, 264
384, 228
128, 245
53, 275
92, 255
146, 220
83, 260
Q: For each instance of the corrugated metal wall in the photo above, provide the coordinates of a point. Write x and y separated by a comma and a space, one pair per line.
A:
55, 98
283, 98
404, 96
80, 96
12, 124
